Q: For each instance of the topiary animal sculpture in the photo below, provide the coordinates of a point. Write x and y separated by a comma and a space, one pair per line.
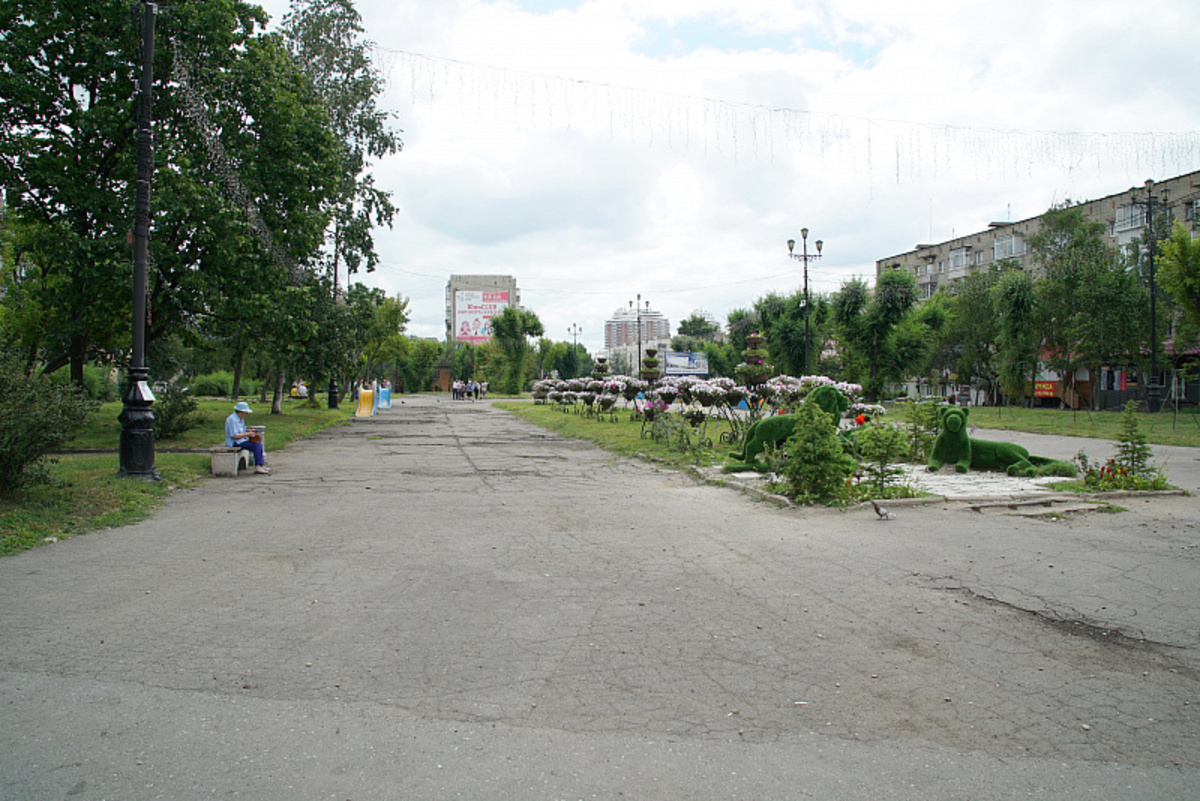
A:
954, 446
771, 432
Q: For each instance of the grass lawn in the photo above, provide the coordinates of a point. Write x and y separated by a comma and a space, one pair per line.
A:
84, 493
623, 436
1163, 428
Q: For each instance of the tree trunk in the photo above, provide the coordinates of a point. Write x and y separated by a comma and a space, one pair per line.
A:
277, 400
236, 390
78, 352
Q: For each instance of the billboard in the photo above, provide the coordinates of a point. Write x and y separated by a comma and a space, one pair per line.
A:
473, 313
686, 363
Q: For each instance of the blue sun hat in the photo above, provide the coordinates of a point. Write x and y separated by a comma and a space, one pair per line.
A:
243, 407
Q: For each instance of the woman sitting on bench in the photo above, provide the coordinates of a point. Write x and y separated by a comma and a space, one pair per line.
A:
237, 436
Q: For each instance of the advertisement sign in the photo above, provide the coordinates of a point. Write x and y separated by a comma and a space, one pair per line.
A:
686, 363
473, 313
1044, 389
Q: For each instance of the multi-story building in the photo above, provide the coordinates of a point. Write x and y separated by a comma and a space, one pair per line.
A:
938, 265
622, 328
1125, 216
472, 301
631, 331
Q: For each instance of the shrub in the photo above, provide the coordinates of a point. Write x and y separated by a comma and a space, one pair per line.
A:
175, 411
212, 385
36, 416
98, 383
1130, 469
816, 467
1133, 454
924, 425
881, 446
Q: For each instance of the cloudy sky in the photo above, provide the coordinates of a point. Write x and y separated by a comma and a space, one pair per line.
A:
601, 149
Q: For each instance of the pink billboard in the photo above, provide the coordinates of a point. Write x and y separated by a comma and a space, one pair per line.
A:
473, 313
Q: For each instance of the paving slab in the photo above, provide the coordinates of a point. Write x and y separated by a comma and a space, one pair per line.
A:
445, 602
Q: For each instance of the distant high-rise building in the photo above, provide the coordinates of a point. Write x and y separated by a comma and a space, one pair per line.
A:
625, 349
621, 329
471, 303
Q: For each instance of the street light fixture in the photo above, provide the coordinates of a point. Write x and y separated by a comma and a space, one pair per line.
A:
136, 451
638, 308
1153, 390
805, 257
574, 330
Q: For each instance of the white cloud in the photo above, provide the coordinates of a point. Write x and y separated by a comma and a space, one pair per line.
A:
605, 148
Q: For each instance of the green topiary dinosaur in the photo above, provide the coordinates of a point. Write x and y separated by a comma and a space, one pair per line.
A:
954, 446
774, 431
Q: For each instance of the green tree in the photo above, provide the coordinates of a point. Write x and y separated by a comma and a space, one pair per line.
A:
325, 38
877, 350
385, 340
1179, 271
698, 328
244, 162
416, 366
741, 323
971, 332
511, 331
1078, 267
1015, 305
815, 464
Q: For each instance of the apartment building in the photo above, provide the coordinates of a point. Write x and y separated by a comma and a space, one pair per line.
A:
630, 332
471, 303
938, 265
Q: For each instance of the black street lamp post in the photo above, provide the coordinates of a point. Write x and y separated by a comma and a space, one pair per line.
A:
574, 330
805, 257
638, 309
1153, 389
137, 419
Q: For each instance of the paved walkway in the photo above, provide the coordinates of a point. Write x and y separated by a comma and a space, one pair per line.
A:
443, 602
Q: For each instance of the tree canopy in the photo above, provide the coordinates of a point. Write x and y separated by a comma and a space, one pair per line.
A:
253, 164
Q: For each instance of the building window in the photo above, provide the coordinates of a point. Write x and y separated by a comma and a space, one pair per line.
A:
1130, 216
958, 259
1008, 247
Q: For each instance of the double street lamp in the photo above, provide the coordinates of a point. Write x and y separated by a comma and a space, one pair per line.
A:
805, 257
574, 330
1153, 390
638, 310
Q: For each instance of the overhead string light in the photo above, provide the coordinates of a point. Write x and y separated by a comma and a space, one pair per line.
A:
866, 146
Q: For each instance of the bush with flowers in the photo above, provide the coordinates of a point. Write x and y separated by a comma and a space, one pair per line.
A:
654, 408
1113, 477
1130, 470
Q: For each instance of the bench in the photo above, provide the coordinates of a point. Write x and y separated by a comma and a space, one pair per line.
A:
227, 461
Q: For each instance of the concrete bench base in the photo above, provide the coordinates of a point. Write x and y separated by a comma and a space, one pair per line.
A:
227, 461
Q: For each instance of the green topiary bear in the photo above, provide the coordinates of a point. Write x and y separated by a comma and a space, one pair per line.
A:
774, 431
954, 446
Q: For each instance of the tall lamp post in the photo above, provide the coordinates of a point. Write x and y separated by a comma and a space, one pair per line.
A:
805, 257
574, 331
1153, 390
638, 309
136, 418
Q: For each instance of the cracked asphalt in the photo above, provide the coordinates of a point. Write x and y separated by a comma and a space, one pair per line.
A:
445, 602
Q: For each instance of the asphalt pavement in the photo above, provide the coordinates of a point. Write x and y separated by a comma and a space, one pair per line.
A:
444, 602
